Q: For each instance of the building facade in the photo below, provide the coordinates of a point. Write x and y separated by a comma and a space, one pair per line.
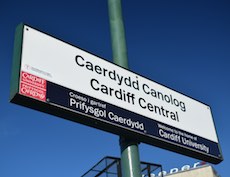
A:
202, 171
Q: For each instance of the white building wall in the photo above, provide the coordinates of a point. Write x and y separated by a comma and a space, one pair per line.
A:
203, 171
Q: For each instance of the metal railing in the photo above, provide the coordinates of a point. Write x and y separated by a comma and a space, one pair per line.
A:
111, 167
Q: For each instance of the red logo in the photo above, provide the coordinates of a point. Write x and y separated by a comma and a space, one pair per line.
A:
33, 86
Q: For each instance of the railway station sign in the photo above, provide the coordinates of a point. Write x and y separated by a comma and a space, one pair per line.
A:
61, 79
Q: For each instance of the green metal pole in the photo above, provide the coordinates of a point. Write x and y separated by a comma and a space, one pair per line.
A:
130, 161
117, 33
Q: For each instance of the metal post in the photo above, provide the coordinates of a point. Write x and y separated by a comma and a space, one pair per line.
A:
117, 33
130, 161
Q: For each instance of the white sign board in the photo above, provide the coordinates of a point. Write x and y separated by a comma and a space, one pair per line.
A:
65, 76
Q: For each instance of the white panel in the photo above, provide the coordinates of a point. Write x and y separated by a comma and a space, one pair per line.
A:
55, 61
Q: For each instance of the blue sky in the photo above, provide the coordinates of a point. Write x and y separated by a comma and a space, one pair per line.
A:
181, 44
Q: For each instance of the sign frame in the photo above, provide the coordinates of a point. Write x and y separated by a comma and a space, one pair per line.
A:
54, 108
